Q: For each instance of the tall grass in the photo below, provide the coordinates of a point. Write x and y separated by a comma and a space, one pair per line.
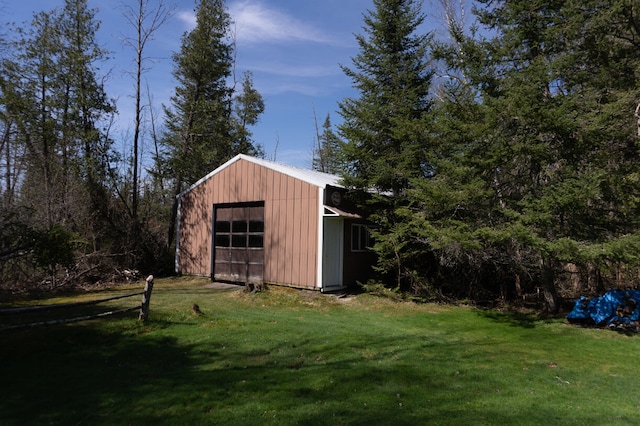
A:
290, 357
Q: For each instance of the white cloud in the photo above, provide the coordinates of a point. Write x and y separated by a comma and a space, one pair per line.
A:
256, 23
300, 71
188, 18
299, 88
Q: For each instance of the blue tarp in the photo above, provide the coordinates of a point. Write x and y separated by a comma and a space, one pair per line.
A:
615, 307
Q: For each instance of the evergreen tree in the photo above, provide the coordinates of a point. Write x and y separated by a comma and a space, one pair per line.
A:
34, 74
202, 131
574, 93
55, 105
84, 108
386, 141
248, 106
58, 105
326, 157
544, 129
198, 124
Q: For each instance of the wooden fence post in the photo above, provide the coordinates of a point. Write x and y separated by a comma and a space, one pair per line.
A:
146, 298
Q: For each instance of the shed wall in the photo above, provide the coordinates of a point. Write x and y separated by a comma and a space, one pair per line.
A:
291, 221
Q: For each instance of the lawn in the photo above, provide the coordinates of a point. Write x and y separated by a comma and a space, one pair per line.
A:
286, 357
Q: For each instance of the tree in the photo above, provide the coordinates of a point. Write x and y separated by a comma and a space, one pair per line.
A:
54, 105
326, 156
84, 108
202, 131
146, 21
12, 151
542, 125
141, 242
449, 211
574, 93
385, 129
248, 106
32, 104
57, 105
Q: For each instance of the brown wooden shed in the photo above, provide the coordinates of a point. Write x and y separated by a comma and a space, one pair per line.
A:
257, 221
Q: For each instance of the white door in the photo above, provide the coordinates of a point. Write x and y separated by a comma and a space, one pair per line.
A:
332, 246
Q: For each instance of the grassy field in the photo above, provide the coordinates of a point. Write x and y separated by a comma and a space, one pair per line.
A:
286, 357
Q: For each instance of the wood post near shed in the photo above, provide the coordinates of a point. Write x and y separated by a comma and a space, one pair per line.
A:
146, 298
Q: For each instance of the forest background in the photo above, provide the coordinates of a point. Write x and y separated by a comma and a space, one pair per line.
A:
500, 160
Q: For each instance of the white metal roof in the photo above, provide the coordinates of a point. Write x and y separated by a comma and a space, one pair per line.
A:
312, 177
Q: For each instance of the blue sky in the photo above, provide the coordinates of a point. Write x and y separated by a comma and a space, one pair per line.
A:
293, 47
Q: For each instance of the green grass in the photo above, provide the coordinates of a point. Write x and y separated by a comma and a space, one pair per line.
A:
286, 357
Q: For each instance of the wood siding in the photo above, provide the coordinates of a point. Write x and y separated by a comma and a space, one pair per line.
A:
290, 214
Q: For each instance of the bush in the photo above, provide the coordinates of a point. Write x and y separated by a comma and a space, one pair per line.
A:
53, 247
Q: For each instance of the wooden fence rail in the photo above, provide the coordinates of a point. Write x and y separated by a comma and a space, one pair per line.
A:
43, 308
143, 307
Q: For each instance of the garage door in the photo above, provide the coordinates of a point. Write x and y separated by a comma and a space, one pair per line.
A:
238, 239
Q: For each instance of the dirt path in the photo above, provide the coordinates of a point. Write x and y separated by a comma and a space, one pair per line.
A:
224, 286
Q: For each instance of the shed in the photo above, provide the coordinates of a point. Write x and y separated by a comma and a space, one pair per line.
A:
257, 221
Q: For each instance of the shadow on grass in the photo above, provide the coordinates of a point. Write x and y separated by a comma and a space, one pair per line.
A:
512, 318
80, 374
83, 374
136, 374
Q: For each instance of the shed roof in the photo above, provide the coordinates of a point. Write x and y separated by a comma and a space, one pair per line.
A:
312, 177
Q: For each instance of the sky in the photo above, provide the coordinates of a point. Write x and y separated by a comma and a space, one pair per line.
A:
294, 48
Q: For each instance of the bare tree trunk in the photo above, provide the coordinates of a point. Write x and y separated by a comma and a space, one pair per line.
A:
320, 165
174, 214
154, 135
137, 119
146, 22
547, 275
7, 150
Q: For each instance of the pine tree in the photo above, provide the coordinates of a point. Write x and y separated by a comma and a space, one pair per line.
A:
59, 105
34, 74
385, 127
198, 126
543, 127
56, 104
248, 105
84, 109
327, 155
204, 128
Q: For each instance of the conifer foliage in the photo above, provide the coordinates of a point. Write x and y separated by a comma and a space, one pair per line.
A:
499, 162
207, 122
519, 174
327, 154
535, 186
55, 155
386, 145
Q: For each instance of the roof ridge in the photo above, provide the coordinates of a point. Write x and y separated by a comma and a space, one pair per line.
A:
269, 163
